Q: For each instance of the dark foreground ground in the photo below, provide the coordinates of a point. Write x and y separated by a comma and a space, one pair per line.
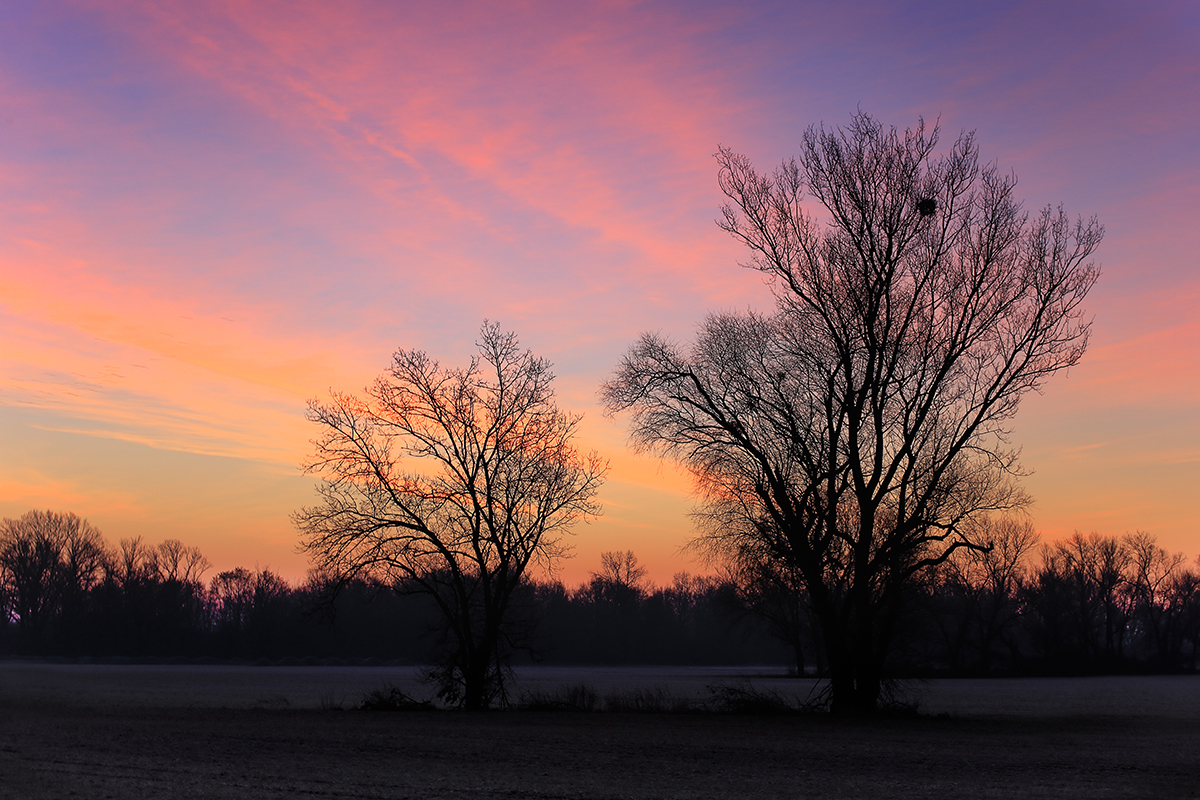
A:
63, 746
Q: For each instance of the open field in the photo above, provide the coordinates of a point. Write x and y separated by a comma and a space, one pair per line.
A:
274, 732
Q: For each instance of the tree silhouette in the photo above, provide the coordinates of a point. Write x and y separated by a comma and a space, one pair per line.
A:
451, 482
620, 571
48, 563
978, 594
855, 432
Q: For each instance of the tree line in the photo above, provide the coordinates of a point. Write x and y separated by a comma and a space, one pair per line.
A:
1087, 604
66, 591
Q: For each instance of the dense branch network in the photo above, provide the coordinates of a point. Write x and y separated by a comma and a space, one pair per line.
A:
853, 433
451, 482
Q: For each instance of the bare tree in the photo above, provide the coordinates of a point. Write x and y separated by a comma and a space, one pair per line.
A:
178, 562
620, 581
232, 596
620, 569
48, 563
853, 433
1084, 580
451, 482
985, 586
248, 608
1162, 587
135, 562
1186, 593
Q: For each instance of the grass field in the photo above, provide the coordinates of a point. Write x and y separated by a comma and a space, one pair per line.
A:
275, 732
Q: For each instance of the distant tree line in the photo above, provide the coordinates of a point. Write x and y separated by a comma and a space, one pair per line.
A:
1087, 604
65, 591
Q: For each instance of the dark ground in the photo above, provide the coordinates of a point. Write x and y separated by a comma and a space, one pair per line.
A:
256, 753
67, 743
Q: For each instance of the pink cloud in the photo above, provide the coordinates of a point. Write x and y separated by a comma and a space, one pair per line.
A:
225, 208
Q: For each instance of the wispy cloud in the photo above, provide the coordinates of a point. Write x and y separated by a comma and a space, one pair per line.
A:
216, 210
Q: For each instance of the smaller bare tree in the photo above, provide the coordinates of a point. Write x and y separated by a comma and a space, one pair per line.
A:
620, 569
452, 483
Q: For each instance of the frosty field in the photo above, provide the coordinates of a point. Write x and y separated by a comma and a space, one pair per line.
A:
267, 732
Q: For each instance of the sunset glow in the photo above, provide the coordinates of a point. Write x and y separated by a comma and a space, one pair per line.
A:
212, 211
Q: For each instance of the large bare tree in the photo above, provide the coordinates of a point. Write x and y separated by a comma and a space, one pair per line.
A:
451, 482
853, 432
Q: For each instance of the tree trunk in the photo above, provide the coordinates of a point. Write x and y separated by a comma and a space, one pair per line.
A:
867, 688
854, 681
854, 691
841, 689
475, 682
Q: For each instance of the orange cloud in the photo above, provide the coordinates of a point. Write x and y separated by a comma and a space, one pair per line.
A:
217, 209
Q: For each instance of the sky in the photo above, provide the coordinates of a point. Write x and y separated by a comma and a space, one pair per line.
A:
211, 212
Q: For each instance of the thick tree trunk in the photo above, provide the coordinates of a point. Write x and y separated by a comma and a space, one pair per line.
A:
475, 681
473, 693
855, 665
854, 691
867, 688
841, 690
480, 671
846, 686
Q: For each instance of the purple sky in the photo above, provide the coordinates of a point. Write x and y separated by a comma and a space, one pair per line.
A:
212, 211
